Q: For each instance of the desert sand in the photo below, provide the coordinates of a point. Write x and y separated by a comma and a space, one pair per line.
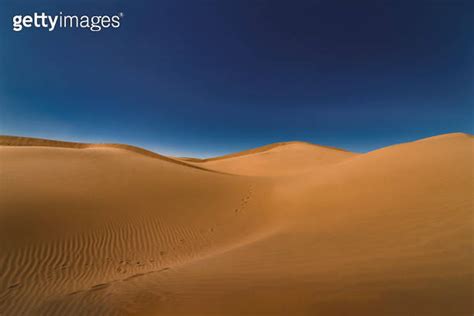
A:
285, 229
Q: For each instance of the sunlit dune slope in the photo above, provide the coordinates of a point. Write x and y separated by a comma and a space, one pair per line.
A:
385, 233
277, 159
75, 223
40, 142
113, 232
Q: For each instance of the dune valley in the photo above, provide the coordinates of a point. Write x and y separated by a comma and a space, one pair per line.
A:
286, 229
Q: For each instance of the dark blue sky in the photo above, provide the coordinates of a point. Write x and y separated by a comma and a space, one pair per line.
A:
209, 77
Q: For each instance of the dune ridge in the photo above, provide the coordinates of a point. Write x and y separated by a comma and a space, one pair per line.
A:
280, 159
6, 140
111, 232
258, 150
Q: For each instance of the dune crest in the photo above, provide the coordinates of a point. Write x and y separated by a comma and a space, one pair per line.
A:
308, 230
279, 159
259, 150
41, 142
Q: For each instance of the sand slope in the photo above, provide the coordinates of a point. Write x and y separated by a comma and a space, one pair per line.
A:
278, 159
40, 142
108, 231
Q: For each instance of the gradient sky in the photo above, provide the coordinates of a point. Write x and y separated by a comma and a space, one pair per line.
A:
204, 77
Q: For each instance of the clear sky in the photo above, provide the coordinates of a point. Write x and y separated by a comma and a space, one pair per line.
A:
206, 77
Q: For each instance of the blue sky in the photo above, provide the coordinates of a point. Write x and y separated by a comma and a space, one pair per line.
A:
208, 77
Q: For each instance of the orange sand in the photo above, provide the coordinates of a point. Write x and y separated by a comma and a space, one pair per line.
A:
286, 229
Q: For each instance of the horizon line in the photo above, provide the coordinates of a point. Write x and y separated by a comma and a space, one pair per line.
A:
249, 151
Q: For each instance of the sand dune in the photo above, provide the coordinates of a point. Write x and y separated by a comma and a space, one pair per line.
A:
40, 142
278, 159
287, 229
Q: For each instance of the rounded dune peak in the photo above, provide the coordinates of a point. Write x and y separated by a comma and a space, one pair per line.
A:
450, 136
286, 145
277, 159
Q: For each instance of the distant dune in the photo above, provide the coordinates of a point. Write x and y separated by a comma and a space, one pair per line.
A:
40, 142
278, 159
285, 229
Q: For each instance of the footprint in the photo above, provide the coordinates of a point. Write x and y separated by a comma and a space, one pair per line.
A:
14, 286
